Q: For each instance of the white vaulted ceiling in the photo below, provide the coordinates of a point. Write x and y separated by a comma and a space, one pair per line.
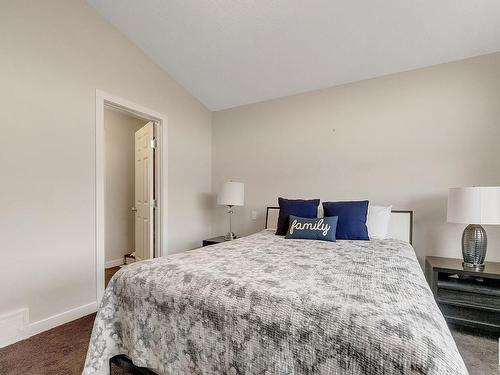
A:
229, 52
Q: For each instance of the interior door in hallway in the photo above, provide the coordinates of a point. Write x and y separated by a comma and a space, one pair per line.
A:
144, 192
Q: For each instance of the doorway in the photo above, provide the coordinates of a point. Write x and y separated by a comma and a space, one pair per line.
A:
130, 185
129, 189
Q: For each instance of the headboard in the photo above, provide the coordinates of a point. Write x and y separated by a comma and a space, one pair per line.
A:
401, 226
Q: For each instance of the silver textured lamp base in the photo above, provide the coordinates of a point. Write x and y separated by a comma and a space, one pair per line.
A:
230, 236
474, 243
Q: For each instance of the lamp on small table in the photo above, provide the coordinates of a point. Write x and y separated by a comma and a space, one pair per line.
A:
232, 194
474, 206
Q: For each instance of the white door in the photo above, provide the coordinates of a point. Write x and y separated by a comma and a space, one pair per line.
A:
144, 203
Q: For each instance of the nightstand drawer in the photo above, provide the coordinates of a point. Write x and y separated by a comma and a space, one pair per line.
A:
447, 295
464, 313
208, 243
466, 296
213, 241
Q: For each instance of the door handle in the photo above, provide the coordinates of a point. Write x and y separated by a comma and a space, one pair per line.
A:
134, 209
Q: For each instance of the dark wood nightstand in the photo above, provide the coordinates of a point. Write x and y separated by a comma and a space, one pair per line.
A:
465, 296
213, 241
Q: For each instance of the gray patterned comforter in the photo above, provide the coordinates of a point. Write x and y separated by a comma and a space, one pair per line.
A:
266, 305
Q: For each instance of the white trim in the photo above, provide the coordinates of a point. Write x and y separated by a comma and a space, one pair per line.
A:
107, 100
62, 318
13, 326
114, 262
51, 322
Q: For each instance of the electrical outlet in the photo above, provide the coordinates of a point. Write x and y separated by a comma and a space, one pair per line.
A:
254, 215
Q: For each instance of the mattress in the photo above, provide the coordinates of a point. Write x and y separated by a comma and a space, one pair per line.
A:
263, 304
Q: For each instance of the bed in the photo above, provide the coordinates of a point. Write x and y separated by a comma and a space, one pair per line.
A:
263, 304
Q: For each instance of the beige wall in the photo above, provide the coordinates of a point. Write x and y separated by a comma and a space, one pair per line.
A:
119, 132
53, 56
402, 139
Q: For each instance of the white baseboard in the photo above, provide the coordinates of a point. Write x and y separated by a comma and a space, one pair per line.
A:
114, 263
13, 326
40, 326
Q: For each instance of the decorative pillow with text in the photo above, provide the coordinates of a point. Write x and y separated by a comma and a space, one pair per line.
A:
303, 228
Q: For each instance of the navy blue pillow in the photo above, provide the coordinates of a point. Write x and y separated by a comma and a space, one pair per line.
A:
296, 207
352, 219
312, 229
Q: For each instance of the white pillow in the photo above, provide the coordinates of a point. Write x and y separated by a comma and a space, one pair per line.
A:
377, 221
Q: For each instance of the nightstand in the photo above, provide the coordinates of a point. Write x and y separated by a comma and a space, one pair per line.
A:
465, 296
213, 241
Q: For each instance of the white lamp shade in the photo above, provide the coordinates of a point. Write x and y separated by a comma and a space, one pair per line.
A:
474, 205
232, 194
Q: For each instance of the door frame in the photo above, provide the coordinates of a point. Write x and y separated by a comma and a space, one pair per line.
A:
103, 100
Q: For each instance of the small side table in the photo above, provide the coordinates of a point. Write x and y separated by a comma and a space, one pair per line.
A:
466, 296
213, 241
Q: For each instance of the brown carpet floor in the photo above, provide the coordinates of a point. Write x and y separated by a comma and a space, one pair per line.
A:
58, 351
109, 272
62, 350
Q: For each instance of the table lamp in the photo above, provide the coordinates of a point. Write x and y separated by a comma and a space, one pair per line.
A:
231, 194
475, 206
